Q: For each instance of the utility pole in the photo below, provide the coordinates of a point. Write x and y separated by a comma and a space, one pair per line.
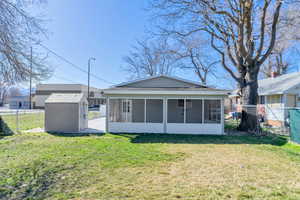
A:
89, 66
30, 79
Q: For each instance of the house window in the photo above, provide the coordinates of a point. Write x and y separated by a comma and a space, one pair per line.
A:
212, 111
261, 99
92, 94
180, 103
126, 106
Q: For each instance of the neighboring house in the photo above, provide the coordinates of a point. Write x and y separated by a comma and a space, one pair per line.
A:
164, 104
43, 91
276, 95
19, 102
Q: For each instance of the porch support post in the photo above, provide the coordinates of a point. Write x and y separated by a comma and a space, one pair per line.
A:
165, 113
107, 115
222, 115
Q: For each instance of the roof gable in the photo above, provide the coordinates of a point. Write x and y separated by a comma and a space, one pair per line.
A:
161, 82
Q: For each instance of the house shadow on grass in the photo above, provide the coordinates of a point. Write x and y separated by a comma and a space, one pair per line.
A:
80, 134
205, 139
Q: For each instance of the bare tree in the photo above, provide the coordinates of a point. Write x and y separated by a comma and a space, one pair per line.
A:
150, 57
18, 32
288, 31
4, 88
193, 55
237, 30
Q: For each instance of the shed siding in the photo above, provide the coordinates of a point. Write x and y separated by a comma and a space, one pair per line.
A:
160, 82
62, 117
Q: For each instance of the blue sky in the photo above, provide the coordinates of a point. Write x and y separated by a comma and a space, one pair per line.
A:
105, 30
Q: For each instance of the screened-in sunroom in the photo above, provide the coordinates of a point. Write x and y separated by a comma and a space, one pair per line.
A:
165, 105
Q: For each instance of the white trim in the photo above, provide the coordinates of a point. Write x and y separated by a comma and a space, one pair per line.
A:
197, 129
159, 76
165, 92
129, 127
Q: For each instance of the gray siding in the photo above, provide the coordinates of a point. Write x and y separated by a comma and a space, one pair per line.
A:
60, 117
160, 82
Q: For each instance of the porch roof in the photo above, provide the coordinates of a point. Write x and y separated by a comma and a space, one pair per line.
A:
165, 91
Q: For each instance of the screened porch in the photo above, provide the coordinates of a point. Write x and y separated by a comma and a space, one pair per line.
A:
166, 115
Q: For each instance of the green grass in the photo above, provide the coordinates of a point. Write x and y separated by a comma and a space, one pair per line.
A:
144, 166
26, 121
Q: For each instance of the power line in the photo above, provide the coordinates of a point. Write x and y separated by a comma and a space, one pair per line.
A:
74, 65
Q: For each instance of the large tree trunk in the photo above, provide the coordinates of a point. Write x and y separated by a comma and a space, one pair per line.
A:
249, 92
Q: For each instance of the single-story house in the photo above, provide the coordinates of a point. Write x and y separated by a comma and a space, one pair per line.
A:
43, 91
276, 96
165, 104
19, 102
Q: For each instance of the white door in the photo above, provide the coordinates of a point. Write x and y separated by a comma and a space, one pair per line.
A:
126, 110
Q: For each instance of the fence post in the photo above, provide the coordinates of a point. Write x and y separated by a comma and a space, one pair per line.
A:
17, 121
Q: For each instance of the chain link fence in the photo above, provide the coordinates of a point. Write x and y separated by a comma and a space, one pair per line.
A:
16, 121
271, 119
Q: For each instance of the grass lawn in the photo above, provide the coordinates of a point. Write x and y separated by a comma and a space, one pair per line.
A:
26, 121
44, 166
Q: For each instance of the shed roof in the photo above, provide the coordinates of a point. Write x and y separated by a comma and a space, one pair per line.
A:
65, 98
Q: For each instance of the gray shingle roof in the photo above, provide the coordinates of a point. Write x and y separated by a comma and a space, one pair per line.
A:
278, 85
65, 98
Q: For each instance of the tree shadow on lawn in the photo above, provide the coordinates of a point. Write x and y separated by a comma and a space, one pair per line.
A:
5, 130
205, 139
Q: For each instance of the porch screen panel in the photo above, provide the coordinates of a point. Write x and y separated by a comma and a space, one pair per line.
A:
193, 111
175, 110
138, 110
154, 111
115, 108
212, 111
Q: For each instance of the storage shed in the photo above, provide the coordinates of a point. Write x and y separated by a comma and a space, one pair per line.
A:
66, 113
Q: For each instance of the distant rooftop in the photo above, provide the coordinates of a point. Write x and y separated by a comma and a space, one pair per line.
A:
65, 98
277, 85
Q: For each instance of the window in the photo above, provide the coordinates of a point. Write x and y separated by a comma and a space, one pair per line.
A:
125, 106
154, 111
274, 99
193, 111
92, 94
212, 111
261, 99
175, 110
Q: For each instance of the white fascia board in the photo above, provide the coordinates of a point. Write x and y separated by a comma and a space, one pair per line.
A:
165, 92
